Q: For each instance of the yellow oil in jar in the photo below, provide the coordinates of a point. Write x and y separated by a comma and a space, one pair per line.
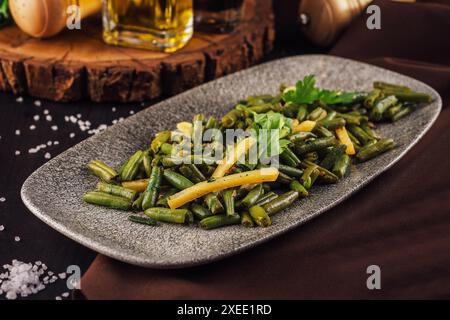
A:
164, 25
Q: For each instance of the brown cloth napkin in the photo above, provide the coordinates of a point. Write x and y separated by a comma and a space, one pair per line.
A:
400, 221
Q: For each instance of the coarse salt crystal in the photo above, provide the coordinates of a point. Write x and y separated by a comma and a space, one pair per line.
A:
48, 118
58, 298
113, 109
2, 199
49, 143
132, 112
38, 103
19, 100
73, 119
78, 115
32, 127
17, 132
17, 152
62, 275
72, 135
46, 111
54, 128
47, 155
2, 227
55, 143
36, 117
16, 239
65, 294
66, 119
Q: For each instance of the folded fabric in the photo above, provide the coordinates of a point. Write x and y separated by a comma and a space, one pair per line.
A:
400, 221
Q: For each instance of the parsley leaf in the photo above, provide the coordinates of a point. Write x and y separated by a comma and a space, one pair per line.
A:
306, 92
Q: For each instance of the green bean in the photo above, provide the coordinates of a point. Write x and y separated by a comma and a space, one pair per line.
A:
290, 171
162, 201
360, 134
373, 96
341, 166
101, 170
331, 114
302, 136
289, 157
290, 110
298, 187
107, 200
142, 220
200, 212
380, 85
253, 195
166, 148
137, 204
131, 167
333, 124
325, 175
397, 112
311, 156
316, 114
147, 163
365, 126
213, 203
315, 145
309, 176
265, 198
302, 112
381, 106
374, 150
259, 216
280, 203
262, 108
246, 220
168, 215
218, 221
177, 180
153, 187
332, 156
415, 97
116, 190
161, 137
322, 132
351, 118
228, 199
283, 178
211, 123
231, 118
197, 175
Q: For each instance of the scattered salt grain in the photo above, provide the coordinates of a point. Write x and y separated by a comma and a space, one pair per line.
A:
2, 199
47, 155
46, 112
72, 135
113, 109
48, 118
66, 118
16, 239
58, 298
17, 132
32, 127
73, 119
62, 276
38, 103
17, 152
65, 294
2, 227
19, 100
55, 143
79, 115
36, 117
132, 112
49, 143
50, 273
54, 128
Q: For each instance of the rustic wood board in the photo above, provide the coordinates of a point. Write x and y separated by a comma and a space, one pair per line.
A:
77, 64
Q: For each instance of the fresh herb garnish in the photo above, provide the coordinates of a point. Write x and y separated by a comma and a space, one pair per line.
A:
306, 92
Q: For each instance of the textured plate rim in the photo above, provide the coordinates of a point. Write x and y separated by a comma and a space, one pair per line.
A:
108, 251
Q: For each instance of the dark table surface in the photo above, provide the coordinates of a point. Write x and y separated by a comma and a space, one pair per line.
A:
39, 242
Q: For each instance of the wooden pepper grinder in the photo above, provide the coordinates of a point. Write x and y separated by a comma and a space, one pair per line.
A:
323, 20
45, 18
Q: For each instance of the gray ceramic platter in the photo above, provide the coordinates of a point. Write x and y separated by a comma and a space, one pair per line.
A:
53, 193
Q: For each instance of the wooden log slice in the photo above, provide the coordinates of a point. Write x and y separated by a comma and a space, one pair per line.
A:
77, 64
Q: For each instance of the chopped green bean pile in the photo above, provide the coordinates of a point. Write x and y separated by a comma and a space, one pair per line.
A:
319, 134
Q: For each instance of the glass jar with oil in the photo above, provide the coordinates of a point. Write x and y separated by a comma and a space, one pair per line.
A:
163, 25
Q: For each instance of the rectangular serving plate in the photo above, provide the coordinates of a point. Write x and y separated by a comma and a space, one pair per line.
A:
53, 192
